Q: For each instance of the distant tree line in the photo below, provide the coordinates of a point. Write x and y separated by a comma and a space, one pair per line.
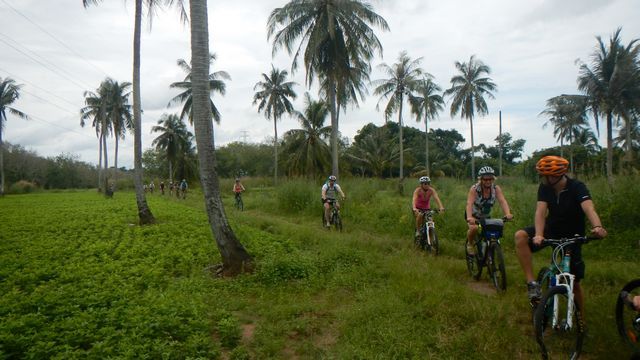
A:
64, 171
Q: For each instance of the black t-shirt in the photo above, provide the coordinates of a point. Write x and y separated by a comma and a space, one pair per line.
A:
565, 217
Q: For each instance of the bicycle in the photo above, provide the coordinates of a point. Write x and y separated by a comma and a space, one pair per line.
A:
628, 317
238, 203
557, 318
428, 239
488, 253
334, 216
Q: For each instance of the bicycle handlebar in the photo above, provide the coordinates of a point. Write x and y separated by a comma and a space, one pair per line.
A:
569, 241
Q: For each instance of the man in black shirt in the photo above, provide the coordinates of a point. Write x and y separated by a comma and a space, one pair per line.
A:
563, 203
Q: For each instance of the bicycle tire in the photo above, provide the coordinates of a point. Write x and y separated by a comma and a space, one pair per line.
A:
496, 267
628, 320
473, 262
557, 342
435, 246
337, 222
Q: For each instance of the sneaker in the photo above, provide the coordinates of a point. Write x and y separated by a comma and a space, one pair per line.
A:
327, 225
417, 234
533, 291
471, 250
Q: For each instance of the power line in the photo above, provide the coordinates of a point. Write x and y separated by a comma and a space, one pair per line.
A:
55, 38
38, 87
81, 86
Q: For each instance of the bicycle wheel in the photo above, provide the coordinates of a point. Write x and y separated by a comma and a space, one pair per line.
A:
337, 222
432, 241
474, 265
240, 204
558, 332
627, 319
496, 267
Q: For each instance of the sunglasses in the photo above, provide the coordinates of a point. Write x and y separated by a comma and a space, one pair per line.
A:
487, 179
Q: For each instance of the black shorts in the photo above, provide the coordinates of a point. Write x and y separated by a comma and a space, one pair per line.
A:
577, 264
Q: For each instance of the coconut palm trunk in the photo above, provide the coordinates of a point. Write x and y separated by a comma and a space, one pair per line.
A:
473, 150
234, 257
610, 147
275, 150
426, 142
400, 185
100, 162
106, 163
144, 213
334, 131
115, 164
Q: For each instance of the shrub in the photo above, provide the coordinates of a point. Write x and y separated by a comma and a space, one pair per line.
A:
22, 187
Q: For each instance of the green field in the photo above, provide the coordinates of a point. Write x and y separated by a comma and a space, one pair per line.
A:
80, 279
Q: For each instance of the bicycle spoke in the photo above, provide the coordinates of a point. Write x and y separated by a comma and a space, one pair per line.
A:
559, 331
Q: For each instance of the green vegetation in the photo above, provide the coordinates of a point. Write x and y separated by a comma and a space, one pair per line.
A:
80, 280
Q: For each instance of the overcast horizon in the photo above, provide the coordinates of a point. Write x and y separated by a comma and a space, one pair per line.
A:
58, 50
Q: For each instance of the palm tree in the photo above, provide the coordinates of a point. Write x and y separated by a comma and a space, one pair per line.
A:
468, 90
216, 84
427, 103
234, 257
120, 116
307, 146
9, 93
144, 213
404, 79
96, 111
567, 114
273, 98
173, 140
610, 81
335, 37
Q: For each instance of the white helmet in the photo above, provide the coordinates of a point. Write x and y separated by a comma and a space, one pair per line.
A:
425, 180
486, 170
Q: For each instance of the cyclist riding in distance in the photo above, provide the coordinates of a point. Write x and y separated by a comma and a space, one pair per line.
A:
238, 188
480, 199
330, 190
422, 201
563, 203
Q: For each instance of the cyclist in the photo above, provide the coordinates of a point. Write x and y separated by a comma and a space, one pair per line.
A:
330, 190
238, 188
480, 199
563, 203
162, 187
422, 201
183, 188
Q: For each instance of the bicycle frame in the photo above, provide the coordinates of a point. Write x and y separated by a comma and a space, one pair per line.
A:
428, 224
562, 277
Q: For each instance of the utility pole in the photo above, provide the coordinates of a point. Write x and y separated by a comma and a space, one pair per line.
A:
245, 135
500, 143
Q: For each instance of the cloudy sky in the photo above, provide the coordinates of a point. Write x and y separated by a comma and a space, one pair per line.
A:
58, 50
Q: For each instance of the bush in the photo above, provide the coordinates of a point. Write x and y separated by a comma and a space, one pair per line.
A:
22, 187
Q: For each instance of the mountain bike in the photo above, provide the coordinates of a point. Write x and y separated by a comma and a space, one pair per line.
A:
557, 318
334, 216
238, 203
628, 317
428, 239
488, 253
